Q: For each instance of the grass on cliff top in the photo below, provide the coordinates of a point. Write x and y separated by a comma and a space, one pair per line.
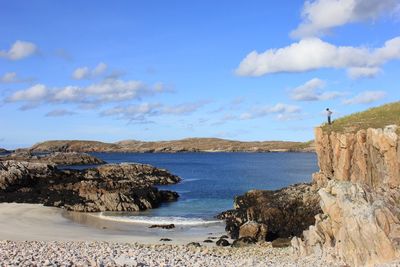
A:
377, 117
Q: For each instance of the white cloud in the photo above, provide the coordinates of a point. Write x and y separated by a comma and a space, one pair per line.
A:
9, 77
35, 94
281, 110
87, 73
81, 73
319, 16
59, 113
366, 97
99, 69
185, 108
12, 77
363, 72
19, 50
313, 53
106, 91
143, 111
312, 91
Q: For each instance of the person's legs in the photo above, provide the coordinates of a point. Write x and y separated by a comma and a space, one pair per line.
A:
329, 119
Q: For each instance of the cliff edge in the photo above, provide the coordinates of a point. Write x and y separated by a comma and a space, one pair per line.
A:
359, 181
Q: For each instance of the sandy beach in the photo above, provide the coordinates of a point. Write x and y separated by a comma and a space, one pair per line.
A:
34, 222
35, 235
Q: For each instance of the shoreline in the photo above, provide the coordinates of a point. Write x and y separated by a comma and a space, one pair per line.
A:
35, 222
34, 235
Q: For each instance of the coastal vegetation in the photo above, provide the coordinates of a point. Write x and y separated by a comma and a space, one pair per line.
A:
377, 117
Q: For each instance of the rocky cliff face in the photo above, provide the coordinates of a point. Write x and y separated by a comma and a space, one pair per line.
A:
111, 187
360, 194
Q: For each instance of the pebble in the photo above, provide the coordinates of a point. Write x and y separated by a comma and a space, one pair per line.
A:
74, 253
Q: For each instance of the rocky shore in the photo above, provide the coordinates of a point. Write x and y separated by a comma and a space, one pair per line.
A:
110, 187
175, 146
268, 215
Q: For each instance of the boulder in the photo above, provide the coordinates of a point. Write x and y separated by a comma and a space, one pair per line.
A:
163, 226
253, 229
222, 243
244, 242
281, 243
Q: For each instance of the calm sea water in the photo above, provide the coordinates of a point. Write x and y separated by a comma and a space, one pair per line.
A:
210, 181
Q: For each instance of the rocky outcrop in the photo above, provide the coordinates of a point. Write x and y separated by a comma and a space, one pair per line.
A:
360, 195
3, 151
267, 215
112, 187
58, 158
175, 146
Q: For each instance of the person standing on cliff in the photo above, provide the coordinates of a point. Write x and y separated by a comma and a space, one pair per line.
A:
329, 114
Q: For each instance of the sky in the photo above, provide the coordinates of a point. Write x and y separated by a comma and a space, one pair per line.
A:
168, 69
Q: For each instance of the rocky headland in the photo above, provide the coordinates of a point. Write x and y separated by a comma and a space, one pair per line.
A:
350, 212
109, 187
57, 158
360, 194
175, 146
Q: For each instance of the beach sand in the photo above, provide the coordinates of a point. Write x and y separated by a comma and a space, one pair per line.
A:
33, 235
34, 222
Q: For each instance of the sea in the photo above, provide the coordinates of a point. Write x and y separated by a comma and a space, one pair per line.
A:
210, 181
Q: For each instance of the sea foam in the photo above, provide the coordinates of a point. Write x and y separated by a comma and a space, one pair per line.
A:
159, 220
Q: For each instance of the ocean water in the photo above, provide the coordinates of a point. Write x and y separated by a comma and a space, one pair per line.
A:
210, 181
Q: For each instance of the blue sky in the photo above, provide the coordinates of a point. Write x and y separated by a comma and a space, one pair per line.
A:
162, 70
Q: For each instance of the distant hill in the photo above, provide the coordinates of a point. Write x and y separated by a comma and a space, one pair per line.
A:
184, 145
377, 117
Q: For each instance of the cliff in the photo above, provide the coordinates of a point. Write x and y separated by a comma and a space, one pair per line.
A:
359, 181
184, 145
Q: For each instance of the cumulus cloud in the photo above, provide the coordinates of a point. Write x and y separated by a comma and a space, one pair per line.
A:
319, 16
19, 50
106, 91
59, 113
312, 91
35, 94
87, 73
366, 97
313, 53
143, 111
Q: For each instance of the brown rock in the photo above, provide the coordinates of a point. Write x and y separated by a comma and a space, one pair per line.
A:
360, 176
114, 187
282, 213
253, 229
